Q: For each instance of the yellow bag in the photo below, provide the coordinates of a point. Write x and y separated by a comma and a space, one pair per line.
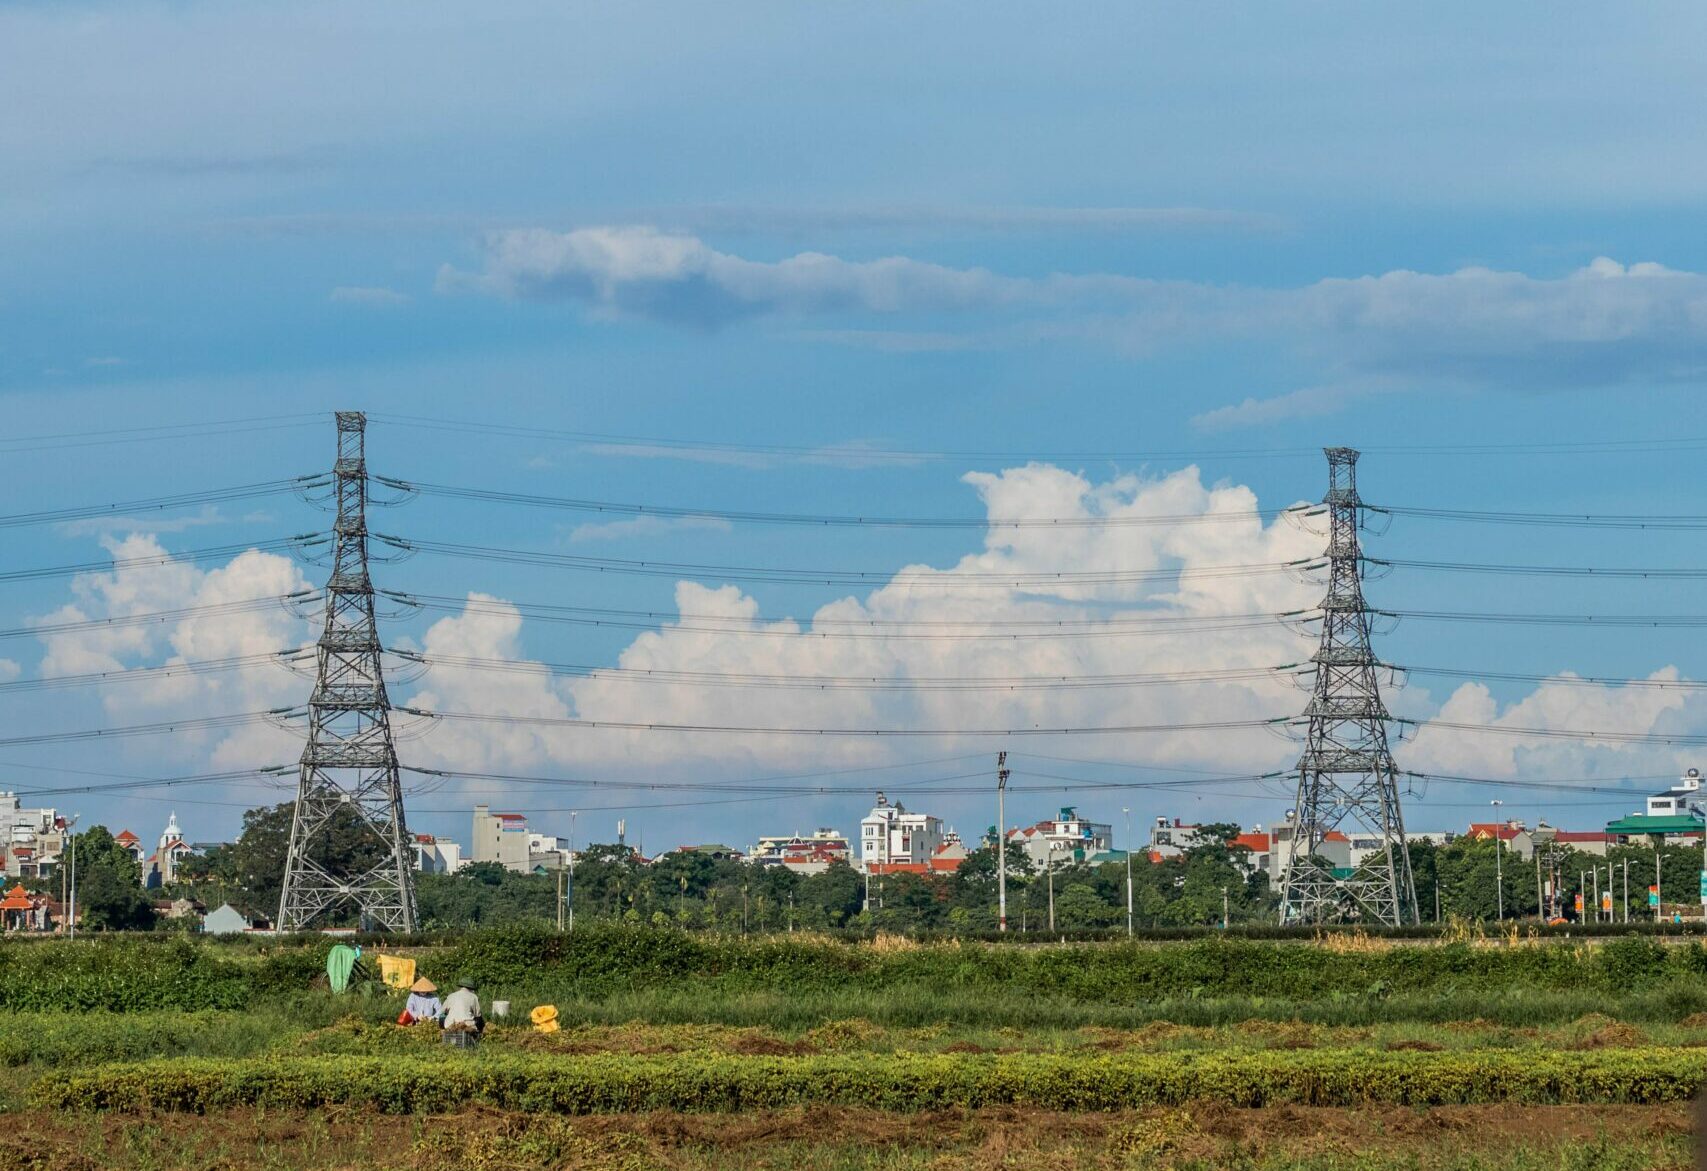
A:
544, 1018
397, 971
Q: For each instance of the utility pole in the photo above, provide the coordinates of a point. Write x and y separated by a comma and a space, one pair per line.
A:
1129, 928
1051, 857
1001, 841
1346, 773
350, 760
71, 909
1499, 870
1626, 890
1223, 908
1540, 891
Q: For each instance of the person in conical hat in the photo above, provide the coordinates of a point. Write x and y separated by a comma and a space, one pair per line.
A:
424, 1003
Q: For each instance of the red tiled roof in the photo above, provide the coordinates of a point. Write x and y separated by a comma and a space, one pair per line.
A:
1255, 843
1582, 835
17, 899
1334, 835
127, 838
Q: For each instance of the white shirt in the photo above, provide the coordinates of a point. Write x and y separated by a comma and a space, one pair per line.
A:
461, 1007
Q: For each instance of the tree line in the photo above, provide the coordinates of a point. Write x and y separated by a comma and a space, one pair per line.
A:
1466, 879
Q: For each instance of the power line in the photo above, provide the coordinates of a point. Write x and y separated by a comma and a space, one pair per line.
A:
154, 729
197, 430
849, 682
142, 674
820, 520
215, 553
162, 616
854, 577
628, 725
678, 512
162, 503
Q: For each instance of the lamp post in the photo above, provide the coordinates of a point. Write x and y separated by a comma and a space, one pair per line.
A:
68, 901
1499, 865
1053, 846
1128, 815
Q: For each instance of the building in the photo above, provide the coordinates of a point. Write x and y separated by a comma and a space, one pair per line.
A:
1066, 839
1677, 812
1250, 849
161, 868
1335, 849
437, 855
226, 920
1169, 839
1685, 797
889, 834
22, 911
802, 854
502, 838
31, 839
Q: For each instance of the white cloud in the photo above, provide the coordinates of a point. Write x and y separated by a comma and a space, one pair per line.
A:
175, 585
9, 669
958, 594
1559, 706
367, 295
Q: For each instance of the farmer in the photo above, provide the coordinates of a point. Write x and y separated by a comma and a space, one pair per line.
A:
423, 1004
462, 1009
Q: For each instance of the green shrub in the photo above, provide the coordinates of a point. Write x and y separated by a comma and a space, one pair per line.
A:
905, 1082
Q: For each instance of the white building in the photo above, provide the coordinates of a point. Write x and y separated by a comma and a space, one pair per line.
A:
801, 853
547, 852
437, 855
1063, 840
889, 834
161, 868
502, 838
1681, 799
1169, 839
31, 839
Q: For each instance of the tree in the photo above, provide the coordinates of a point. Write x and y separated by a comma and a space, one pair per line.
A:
109, 885
253, 866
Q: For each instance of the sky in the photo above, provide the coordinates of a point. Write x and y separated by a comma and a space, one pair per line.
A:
1129, 266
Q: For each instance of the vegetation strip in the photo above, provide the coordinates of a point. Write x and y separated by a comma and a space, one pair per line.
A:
899, 1082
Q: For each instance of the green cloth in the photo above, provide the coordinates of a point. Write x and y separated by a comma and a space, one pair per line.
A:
340, 961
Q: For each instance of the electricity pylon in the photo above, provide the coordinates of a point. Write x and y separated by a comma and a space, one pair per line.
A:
350, 760
1346, 778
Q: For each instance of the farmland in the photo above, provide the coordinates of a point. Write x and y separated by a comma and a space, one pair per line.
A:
699, 1051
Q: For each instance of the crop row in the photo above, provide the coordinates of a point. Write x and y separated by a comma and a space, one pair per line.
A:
699, 1082
127, 975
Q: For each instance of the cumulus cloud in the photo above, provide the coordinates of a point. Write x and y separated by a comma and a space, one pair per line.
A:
173, 585
722, 631
1601, 324
1562, 704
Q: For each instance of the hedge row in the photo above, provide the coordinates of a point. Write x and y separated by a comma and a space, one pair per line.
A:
693, 1082
127, 975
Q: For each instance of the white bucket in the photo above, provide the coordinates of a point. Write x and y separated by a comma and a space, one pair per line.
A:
500, 1008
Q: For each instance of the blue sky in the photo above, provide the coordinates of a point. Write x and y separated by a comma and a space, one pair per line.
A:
1126, 242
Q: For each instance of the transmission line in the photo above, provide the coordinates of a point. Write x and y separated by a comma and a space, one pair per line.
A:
115, 564
856, 577
163, 503
124, 620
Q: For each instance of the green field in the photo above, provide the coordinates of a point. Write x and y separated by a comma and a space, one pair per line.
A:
699, 1051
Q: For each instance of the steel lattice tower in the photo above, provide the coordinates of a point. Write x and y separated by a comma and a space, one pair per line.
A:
350, 760
1346, 774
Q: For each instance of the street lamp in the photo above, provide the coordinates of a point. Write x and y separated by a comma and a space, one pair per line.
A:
1128, 815
1001, 842
1499, 867
1053, 847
